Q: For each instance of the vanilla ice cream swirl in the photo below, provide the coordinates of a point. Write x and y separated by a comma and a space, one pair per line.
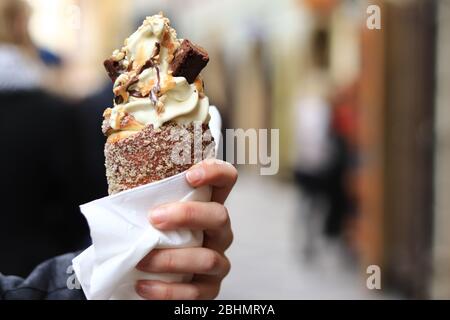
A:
145, 87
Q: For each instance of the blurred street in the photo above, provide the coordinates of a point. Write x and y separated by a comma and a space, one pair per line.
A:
266, 256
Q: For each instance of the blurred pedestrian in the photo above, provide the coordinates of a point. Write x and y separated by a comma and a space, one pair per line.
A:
40, 188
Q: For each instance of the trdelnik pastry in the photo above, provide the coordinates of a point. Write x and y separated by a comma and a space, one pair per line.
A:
158, 91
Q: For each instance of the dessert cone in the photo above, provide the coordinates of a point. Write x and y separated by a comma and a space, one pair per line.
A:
152, 154
158, 126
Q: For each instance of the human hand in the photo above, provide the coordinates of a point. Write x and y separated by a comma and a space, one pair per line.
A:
208, 263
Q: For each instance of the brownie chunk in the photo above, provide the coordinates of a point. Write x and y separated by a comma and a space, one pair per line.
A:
188, 61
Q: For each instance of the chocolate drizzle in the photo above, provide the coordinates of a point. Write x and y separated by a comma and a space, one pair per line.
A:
132, 81
130, 66
148, 64
118, 99
116, 68
156, 89
157, 50
154, 93
136, 94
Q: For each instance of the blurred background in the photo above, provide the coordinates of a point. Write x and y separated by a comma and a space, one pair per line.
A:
364, 124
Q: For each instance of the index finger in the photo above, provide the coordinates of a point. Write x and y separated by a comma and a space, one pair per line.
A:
219, 174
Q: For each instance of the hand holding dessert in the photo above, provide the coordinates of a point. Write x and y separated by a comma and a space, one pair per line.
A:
159, 110
208, 264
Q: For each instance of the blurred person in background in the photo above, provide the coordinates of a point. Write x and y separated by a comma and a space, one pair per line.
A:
314, 150
322, 153
344, 129
41, 170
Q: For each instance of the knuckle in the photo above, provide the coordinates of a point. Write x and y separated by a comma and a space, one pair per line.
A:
234, 175
209, 162
227, 240
148, 261
166, 292
168, 261
227, 267
215, 291
187, 213
216, 165
194, 293
230, 240
211, 262
223, 218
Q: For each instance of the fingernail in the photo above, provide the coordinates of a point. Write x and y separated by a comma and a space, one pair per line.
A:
195, 175
158, 215
149, 290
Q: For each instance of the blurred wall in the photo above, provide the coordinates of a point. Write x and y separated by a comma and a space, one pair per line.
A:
371, 138
397, 119
409, 117
441, 251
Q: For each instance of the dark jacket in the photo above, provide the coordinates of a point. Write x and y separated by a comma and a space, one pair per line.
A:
53, 279
42, 181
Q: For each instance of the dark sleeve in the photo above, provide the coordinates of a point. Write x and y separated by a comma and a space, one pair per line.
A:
53, 279
60, 174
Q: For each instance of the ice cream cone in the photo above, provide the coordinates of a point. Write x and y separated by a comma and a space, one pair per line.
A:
158, 126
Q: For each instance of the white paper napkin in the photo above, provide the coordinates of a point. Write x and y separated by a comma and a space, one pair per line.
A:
122, 235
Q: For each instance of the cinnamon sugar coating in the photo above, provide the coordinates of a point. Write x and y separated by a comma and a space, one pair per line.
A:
150, 155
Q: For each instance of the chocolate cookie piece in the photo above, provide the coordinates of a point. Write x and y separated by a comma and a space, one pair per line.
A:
188, 61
